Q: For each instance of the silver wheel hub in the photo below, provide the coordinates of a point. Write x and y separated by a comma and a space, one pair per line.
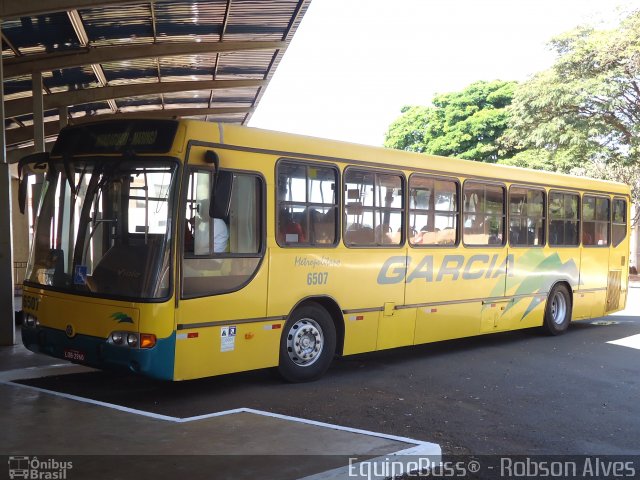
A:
558, 308
305, 342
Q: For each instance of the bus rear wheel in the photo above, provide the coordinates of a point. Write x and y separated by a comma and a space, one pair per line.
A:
307, 345
557, 315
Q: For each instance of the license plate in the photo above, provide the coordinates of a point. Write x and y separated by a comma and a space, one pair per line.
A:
74, 355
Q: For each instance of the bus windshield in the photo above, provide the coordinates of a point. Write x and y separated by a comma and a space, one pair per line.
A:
104, 227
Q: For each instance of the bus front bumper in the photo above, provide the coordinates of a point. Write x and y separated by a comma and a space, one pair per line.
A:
156, 362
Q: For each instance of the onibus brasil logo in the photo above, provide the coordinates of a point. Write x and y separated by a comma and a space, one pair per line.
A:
38, 469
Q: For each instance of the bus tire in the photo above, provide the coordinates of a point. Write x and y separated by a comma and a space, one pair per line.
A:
557, 314
307, 345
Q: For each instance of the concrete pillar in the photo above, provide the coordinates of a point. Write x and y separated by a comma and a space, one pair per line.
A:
7, 324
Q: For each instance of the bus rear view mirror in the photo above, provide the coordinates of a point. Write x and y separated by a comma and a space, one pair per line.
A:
34, 164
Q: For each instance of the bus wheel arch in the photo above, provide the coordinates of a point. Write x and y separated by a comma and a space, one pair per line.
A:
308, 342
558, 309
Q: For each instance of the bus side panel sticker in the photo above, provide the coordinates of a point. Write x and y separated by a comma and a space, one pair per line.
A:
227, 339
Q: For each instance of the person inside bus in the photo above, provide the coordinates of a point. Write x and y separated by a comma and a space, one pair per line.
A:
220, 235
289, 230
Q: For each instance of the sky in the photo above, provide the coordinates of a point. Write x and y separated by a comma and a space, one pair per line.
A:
353, 64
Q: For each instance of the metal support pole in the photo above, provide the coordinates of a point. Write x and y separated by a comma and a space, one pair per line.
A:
7, 324
63, 113
38, 112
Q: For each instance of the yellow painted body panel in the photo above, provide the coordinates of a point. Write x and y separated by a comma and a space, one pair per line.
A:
361, 332
254, 345
98, 317
444, 322
397, 329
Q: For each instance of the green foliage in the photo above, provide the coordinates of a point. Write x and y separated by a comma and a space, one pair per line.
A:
629, 174
560, 160
465, 124
588, 103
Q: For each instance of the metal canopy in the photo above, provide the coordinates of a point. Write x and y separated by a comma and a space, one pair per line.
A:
209, 60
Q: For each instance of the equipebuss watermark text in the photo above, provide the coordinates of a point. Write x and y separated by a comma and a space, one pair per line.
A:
495, 466
589, 467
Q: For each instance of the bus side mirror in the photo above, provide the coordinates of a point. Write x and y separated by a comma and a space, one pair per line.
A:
221, 195
33, 164
221, 189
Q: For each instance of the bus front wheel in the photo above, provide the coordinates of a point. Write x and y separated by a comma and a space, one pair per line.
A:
557, 315
307, 345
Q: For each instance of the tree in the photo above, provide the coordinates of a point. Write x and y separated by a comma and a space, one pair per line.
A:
587, 106
465, 124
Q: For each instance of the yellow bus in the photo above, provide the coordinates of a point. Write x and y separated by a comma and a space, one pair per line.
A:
185, 249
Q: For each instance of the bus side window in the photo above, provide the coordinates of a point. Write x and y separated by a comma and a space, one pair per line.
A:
619, 228
564, 219
307, 201
484, 213
230, 268
595, 220
374, 208
526, 217
433, 211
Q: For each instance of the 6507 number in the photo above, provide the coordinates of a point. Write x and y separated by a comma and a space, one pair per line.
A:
318, 278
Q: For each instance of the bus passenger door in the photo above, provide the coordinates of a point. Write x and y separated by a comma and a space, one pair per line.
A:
223, 285
618, 278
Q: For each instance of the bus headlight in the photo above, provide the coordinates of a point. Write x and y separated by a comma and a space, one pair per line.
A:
30, 320
117, 338
132, 340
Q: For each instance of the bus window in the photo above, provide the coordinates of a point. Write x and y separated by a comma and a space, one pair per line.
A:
433, 211
595, 220
526, 217
374, 209
619, 229
230, 250
483, 214
307, 204
564, 223
203, 234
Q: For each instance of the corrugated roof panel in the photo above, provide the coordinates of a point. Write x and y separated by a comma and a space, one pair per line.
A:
130, 70
141, 108
250, 65
231, 102
119, 24
188, 67
259, 19
246, 94
17, 86
175, 21
188, 21
96, 108
197, 103
73, 78
44, 33
201, 96
141, 100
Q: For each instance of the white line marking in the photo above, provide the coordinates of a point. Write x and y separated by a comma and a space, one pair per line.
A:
339, 427
92, 402
418, 452
222, 413
632, 342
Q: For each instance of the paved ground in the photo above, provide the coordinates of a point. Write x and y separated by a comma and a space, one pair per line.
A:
511, 393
